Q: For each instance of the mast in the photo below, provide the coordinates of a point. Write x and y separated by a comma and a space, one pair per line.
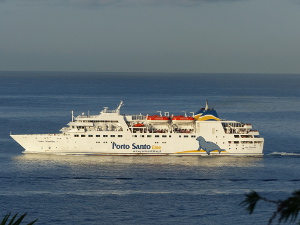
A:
119, 107
206, 105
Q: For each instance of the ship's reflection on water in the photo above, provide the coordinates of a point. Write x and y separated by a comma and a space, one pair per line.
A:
187, 161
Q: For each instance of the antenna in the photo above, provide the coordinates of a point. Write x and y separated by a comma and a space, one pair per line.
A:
119, 107
206, 105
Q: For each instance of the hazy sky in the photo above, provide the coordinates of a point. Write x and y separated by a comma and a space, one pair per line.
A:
198, 36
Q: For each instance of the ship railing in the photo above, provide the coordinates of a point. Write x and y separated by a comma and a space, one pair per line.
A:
106, 110
254, 132
138, 117
85, 116
183, 130
233, 131
110, 111
52, 134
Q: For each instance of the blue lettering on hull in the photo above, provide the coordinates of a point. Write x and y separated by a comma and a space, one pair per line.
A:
123, 146
133, 146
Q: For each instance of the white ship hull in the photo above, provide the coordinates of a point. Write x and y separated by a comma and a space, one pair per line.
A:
120, 137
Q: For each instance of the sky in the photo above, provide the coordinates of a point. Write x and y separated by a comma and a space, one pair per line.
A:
172, 36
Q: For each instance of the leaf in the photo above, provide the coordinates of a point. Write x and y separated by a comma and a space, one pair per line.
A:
20, 219
18, 222
250, 202
32, 222
12, 220
287, 209
290, 208
5, 219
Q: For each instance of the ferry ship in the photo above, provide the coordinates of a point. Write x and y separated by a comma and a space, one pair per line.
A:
112, 133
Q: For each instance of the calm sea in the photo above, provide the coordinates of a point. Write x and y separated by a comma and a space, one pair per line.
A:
90, 190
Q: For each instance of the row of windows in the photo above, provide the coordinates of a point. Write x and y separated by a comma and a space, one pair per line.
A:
245, 142
164, 136
98, 121
243, 136
149, 136
105, 142
90, 135
232, 125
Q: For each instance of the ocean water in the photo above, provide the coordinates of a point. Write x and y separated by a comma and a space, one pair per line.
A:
90, 190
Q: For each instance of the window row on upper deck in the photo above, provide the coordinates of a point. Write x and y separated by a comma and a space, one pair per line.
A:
232, 124
135, 136
98, 121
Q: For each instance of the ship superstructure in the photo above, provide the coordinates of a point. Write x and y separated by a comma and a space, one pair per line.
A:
112, 133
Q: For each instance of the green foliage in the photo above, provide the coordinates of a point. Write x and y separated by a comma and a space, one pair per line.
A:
13, 222
250, 202
286, 210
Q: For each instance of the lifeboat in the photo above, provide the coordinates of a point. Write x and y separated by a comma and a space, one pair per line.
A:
158, 119
138, 125
182, 119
